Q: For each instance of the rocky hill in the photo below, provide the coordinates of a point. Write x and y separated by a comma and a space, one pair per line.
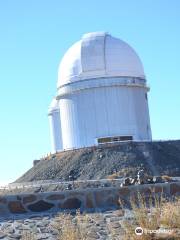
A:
157, 158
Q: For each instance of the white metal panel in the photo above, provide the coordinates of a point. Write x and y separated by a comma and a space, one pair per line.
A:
92, 53
70, 66
101, 82
65, 123
104, 111
99, 55
51, 125
121, 59
55, 126
55, 131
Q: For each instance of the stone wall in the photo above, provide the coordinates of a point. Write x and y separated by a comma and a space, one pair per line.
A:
87, 199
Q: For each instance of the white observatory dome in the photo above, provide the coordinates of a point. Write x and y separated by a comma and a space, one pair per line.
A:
102, 95
99, 55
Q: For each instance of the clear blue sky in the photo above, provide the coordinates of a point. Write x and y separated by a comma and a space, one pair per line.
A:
34, 35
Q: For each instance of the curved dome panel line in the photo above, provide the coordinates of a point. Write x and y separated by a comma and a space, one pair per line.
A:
99, 55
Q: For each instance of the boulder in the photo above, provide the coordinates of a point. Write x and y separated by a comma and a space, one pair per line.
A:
40, 206
30, 198
71, 203
158, 179
55, 197
16, 207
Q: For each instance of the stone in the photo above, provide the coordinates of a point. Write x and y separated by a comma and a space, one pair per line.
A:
55, 197
124, 191
39, 189
15, 236
73, 194
145, 190
54, 231
157, 189
3, 210
10, 221
174, 188
35, 217
112, 200
19, 198
119, 212
35, 230
3, 200
44, 230
114, 219
69, 187
17, 224
71, 203
99, 223
158, 179
115, 225
133, 180
89, 201
127, 181
30, 224
24, 227
35, 162
93, 235
29, 198
42, 236
167, 178
10, 230
16, 207
42, 223
143, 178
20, 221
40, 206
100, 197
150, 180
2, 235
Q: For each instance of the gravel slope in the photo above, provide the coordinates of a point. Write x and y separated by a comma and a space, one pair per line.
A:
161, 158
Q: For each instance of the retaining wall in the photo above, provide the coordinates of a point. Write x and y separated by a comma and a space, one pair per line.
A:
87, 199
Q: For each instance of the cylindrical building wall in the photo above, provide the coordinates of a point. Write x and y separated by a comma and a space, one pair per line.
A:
107, 110
55, 127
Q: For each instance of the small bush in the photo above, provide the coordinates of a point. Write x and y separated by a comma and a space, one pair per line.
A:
71, 229
152, 214
28, 236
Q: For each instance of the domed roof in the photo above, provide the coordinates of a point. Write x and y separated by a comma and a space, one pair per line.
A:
54, 106
99, 55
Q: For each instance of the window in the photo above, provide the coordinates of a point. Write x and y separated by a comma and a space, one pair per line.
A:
104, 140
126, 138
114, 139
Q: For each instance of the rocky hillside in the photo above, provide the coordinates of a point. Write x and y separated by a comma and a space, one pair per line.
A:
157, 158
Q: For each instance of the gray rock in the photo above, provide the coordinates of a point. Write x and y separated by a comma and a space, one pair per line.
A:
133, 180
40, 206
10, 230
126, 182
2, 235
24, 227
158, 179
42, 236
14, 236
141, 179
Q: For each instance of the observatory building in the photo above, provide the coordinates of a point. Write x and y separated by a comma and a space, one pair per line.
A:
101, 95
